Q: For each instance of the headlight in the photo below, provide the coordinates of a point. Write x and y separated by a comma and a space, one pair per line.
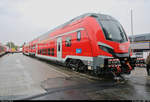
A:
101, 65
106, 49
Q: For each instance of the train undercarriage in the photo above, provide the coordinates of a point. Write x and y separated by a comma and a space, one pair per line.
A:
116, 66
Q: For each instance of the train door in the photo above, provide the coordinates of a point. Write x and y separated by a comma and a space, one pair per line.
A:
59, 49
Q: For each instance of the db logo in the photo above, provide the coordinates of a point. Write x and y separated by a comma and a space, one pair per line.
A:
123, 47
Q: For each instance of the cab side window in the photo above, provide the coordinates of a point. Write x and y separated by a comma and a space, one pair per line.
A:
68, 42
78, 35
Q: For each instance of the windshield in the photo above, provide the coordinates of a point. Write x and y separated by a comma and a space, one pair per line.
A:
113, 30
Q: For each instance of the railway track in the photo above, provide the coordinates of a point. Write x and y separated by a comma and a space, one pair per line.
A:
92, 77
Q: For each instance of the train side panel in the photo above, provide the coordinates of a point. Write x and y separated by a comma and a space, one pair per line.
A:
75, 42
79, 44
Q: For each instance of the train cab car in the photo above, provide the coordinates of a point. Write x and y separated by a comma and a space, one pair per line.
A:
94, 42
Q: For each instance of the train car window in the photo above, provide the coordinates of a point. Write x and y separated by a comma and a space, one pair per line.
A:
52, 51
68, 42
43, 51
33, 47
49, 51
78, 35
46, 51
58, 46
40, 51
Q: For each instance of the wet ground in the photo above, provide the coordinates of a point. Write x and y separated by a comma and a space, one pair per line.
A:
23, 77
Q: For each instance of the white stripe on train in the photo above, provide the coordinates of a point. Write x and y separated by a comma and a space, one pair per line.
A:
64, 59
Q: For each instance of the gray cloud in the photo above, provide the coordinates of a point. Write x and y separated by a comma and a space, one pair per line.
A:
23, 20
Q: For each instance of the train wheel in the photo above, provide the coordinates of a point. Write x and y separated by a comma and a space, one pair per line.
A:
77, 65
67, 63
72, 65
81, 66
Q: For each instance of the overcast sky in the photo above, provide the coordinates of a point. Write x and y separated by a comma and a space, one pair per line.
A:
24, 20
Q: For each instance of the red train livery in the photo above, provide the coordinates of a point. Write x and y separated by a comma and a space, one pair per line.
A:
94, 42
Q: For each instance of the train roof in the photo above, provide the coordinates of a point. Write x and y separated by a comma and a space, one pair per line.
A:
140, 37
101, 16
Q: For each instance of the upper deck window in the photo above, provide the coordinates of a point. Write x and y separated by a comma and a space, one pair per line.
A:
78, 35
68, 42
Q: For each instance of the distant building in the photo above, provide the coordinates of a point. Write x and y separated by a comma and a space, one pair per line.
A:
141, 42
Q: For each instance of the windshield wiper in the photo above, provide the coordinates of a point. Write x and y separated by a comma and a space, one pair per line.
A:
121, 33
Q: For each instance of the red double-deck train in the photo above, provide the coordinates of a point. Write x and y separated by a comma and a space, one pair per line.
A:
3, 49
93, 42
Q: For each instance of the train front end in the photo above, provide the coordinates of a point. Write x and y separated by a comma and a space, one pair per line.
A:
113, 48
